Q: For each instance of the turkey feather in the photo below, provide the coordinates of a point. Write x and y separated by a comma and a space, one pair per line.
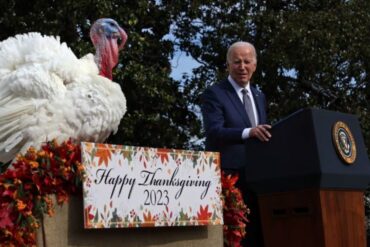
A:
47, 93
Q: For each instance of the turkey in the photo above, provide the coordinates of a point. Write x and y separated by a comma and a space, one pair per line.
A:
47, 93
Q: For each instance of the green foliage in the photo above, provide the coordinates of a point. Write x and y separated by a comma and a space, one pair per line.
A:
158, 113
310, 53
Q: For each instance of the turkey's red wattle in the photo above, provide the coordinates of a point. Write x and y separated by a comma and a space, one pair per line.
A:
108, 57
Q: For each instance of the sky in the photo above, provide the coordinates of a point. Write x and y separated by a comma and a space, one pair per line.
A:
181, 63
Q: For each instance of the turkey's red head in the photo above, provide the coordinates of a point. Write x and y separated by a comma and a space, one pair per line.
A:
104, 34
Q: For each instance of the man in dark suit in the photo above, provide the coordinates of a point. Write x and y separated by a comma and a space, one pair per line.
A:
233, 111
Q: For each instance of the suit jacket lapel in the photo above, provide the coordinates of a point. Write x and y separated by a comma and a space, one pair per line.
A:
235, 100
257, 100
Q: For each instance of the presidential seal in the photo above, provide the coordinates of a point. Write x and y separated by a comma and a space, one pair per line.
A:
344, 142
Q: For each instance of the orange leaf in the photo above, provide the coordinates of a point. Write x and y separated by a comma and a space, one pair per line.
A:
104, 155
163, 155
203, 215
149, 220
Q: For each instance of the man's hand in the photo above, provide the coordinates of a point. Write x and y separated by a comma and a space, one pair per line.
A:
261, 132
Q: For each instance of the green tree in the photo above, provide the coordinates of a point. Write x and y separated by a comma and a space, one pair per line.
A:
158, 114
310, 53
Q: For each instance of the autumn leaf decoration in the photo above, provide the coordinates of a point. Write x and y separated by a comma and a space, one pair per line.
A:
203, 215
235, 211
26, 189
103, 153
163, 155
149, 220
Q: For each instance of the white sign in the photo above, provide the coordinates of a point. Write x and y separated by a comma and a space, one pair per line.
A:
129, 186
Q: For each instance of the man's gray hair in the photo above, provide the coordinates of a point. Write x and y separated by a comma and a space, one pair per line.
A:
238, 44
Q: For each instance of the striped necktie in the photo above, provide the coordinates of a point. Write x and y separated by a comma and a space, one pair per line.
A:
248, 107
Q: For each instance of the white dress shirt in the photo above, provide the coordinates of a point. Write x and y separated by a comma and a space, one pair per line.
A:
238, 90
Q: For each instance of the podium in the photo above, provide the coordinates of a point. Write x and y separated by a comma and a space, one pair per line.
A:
310, 178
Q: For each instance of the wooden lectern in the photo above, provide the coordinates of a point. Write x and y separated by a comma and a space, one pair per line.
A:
310, 178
